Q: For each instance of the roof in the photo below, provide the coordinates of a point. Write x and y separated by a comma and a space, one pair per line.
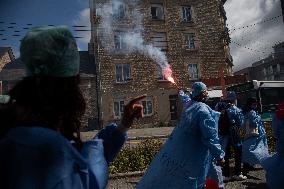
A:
87, 63
3, 50
15, 64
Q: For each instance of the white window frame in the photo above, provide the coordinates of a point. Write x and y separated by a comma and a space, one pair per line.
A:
159, 40
160, 15
124, 78
147, 104
121, 44
193, 74
184, 11
190, 41
118, 108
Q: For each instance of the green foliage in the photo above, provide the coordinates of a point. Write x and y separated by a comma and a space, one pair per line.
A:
270, 138
136, 158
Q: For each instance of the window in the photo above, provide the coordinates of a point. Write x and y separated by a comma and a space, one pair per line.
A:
282, 68
278, 68
264, 71
118, 11
160, 74
274, 68
157, 12
193, 71
160, 40
189, 40
118, 108
173, 106
147, 107
122, 73
119, 42
186, 14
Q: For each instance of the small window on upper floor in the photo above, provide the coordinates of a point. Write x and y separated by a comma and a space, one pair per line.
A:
157, 12
122, 73
118, 10
159, 40
118, 41
193, 71
187, 14
189, 40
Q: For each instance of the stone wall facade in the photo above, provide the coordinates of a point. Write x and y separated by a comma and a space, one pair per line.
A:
6, 58
210, 53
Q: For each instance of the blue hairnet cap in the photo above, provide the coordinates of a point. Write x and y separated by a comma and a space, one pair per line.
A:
50, 51
231, 96
198, 88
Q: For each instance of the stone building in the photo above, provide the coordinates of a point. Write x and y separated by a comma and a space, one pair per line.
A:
6, 56
270, 68
191, 33
14, 71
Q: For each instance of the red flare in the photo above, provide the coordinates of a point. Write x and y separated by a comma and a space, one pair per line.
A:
171, 79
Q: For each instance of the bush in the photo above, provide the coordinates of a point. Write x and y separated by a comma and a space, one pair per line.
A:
270, 138
136, 158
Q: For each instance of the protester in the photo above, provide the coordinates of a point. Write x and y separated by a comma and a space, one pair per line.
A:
274, 165
224, 134
185, 158
236, 120
40, 143
255, 141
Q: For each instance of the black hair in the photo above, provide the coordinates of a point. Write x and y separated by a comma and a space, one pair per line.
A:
52, 102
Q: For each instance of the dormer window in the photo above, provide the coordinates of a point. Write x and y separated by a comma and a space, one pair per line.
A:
118, 11
157, 12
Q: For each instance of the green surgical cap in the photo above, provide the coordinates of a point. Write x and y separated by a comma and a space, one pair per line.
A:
50, 51
198, 88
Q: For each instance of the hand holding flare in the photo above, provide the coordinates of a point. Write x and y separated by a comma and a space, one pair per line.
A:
132, 110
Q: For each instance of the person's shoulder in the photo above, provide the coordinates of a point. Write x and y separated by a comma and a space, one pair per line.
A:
203, 108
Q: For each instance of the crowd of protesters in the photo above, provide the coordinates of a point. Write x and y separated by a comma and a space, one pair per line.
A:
40, 143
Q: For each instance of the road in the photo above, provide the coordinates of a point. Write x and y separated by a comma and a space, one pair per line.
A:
256, 180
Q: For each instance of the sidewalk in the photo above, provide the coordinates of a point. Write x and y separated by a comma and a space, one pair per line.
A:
136, 133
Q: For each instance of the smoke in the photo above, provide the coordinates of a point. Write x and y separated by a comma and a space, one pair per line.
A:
131, 36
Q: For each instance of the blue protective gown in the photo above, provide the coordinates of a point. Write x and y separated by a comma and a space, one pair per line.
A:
37, 157
184, 159
236, 118
274, 165
255, 144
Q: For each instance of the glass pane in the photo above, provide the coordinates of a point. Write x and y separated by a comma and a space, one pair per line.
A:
144, 107
126, 72
149, 107
116, 108
154, 12
121, 107
118, 73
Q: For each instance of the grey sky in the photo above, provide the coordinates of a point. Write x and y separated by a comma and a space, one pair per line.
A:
260, 37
